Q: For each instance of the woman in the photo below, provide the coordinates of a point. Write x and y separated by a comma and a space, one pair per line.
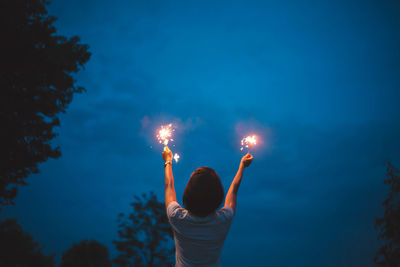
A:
199, 228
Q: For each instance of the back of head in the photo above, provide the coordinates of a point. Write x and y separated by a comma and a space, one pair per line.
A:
204, 192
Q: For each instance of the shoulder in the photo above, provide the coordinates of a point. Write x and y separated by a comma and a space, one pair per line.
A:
175, 211
226, 213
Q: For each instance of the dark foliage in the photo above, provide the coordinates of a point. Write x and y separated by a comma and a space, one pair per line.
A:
86, 254
145, 235
18, 249
389, 225
36, 84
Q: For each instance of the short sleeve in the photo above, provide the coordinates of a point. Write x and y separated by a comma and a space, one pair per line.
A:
226, 214
173, 209
175, 213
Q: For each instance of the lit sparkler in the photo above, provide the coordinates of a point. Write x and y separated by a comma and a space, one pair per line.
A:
248, 142
165, 133
164, 136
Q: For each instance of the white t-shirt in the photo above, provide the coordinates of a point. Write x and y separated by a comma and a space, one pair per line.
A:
198, 240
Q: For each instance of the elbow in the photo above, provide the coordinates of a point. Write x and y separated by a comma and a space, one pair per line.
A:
235, 188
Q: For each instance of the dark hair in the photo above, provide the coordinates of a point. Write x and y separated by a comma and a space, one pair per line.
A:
203, 193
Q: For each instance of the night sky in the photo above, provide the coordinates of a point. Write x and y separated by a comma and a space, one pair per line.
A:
318, 82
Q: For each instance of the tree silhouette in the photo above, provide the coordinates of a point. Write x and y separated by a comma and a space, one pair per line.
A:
389, 225
36, 82
145, 235
86, 254
17, 248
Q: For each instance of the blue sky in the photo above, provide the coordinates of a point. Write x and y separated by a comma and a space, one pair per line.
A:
318, 81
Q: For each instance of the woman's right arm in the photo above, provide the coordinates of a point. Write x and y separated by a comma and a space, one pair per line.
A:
170, 194
231, 196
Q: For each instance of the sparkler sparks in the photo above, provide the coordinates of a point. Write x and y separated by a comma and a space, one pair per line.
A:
248, 142
176, 157
165, 133
164, 136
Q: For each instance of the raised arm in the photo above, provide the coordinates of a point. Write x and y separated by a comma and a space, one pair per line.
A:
231, 196
170, 194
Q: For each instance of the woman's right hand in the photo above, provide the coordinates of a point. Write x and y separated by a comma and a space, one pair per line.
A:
167, 154
246, 160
